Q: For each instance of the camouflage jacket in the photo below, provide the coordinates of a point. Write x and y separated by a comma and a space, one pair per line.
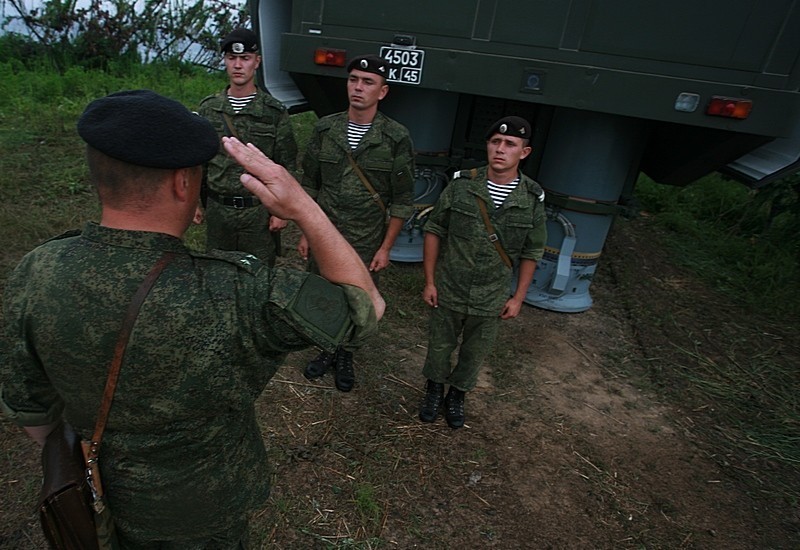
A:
264, 122
471, 277
385, 156
182, 431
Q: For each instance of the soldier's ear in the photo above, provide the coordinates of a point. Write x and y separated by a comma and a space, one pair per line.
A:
181, 182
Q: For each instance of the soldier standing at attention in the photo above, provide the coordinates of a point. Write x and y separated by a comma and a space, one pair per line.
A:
234, 217
359, 167
485, 221
182, 460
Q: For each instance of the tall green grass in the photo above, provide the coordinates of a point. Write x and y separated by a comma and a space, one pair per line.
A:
44, 182
743, 242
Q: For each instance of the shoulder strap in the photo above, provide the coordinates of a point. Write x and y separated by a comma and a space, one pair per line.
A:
229, 127
91, 448
471, 174
490, 230
365, 181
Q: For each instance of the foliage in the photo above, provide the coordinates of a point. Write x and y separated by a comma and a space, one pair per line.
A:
107, 33
745, 242
42, 157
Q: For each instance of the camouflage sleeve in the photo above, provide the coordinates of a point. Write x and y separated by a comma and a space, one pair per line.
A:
536, 238
311, 169
204, 109
21, 416
285, 144
27, 398
402, 201
304, 309
439, 219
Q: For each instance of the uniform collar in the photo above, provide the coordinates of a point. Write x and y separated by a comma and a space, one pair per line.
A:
132, 239
373, 135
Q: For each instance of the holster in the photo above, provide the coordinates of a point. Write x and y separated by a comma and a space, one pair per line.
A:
65, 500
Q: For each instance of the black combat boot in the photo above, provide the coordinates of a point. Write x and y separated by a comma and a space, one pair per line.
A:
454, 408
432, 402
319, 365
345, 375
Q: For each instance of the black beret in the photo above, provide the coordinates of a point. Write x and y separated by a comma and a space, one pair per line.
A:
239, 41
510, 126
143, 128
370, 64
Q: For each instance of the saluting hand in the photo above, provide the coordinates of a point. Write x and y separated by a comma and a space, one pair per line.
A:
270, 182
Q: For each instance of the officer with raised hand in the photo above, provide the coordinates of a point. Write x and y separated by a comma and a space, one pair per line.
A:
182, 429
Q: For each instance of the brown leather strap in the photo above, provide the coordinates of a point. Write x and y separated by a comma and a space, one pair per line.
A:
372, 193
490, 230
119, 350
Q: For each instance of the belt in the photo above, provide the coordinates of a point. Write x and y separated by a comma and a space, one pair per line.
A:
235, 201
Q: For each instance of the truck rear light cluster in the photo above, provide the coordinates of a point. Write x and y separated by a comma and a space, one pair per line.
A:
730, 107
330, 57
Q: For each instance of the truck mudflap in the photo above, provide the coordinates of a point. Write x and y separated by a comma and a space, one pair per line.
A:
770, 162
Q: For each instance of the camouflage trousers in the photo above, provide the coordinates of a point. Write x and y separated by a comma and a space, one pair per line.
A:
478, 334
244, 229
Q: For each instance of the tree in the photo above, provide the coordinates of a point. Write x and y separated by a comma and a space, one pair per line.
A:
99, 32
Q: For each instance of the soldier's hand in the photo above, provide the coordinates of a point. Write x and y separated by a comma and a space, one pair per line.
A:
302, 247
511, 309
379, 261
277, 224
430, 295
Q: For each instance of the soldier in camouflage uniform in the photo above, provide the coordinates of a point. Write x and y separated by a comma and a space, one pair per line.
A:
182, 458
467, 278
235, 219
381, 149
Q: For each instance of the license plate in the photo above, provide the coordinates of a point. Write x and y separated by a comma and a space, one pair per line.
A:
405, 64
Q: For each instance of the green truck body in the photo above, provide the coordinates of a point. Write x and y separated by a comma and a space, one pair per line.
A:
613, 88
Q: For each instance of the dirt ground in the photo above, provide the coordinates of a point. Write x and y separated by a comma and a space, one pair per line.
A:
573, 439
570, 442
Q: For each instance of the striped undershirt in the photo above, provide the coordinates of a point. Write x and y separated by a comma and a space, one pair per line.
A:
500, 192
355, 132
239, 103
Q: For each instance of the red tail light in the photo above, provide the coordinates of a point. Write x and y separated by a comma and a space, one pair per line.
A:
330, 57
730, 107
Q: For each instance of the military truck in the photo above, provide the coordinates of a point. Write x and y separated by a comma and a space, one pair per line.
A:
612, 89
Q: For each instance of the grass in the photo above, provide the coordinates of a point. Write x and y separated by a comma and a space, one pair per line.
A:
721, 231
346, 474
745, 243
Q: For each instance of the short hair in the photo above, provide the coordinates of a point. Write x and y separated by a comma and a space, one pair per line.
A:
120, 184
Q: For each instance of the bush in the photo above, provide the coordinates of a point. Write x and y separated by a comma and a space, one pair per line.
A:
114, 35
744, 242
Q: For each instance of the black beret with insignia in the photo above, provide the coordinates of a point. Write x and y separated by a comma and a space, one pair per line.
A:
239, 41
370, 64
510, 126
146, 129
